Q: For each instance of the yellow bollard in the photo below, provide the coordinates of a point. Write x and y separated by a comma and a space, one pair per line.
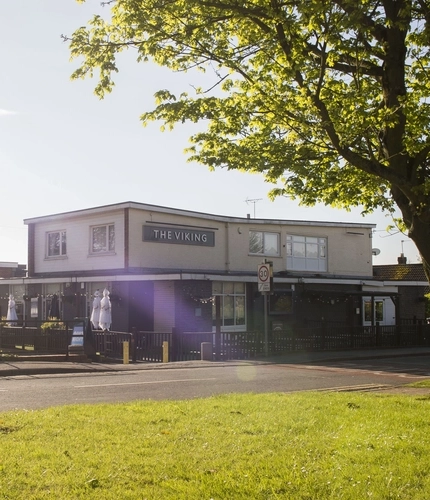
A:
126, 353
165, 352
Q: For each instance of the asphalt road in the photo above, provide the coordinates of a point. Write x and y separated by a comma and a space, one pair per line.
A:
41, 391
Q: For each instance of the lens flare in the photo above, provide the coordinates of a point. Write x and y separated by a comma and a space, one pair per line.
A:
246, 372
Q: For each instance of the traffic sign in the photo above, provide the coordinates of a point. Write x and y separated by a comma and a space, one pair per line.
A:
264, 275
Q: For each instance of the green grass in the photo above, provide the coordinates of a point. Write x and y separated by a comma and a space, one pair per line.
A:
271, 446
421, 384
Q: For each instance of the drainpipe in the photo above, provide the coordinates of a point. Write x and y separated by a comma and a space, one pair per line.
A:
227, 246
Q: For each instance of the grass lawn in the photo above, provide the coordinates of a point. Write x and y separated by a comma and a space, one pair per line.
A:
421, 384
248, 446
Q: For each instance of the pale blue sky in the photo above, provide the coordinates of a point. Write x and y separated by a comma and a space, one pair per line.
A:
62, 149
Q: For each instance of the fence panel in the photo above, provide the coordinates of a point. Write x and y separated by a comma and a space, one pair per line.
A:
254, 344
187, 345
237, 345
110, 344
32, 338
18, 337
149, 346
413, 335
246, 345
184, 346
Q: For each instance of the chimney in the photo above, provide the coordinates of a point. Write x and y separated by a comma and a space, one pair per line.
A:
402, 259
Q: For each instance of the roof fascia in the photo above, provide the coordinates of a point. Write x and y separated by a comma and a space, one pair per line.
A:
189, 213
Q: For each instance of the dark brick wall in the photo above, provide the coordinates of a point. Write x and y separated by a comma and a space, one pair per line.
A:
412, 302
31, 249
4, 298
13, 272
140, 304
7, 272
193, 306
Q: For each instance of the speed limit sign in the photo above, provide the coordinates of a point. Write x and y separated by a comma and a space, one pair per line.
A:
264, 275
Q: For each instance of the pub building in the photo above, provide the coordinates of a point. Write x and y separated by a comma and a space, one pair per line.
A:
164, 267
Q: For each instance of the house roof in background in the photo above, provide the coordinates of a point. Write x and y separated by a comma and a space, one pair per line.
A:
400, 272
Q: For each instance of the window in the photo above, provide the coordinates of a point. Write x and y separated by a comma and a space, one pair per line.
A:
281, 302
378, 311
34, 307
263, 243
232, 305
306, 253
56, 244
103, 238
49, 290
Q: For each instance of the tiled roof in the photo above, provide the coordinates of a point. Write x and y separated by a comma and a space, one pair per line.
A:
400, 272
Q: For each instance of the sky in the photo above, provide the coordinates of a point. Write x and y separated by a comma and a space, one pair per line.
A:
63, 149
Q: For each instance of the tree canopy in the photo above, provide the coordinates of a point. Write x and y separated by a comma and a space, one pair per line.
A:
329, 98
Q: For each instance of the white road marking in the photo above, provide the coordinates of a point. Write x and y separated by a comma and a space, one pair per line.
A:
144, 383
362, 369
351, 388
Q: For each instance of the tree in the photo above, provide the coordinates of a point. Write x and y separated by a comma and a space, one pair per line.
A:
328, 98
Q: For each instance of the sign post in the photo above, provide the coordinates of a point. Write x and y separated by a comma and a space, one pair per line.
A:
265, 286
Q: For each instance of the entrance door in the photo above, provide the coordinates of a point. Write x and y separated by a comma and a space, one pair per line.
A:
384, 311
20, 311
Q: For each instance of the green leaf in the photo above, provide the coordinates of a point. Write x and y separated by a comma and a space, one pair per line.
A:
329, 101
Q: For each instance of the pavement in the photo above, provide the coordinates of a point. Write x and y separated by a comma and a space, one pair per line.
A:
31, 364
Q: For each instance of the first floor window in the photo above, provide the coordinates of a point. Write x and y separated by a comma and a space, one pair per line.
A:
263, 243
232, 297
103, 238
306, 253
56, 244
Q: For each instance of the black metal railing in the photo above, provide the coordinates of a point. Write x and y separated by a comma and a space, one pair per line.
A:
50, 337
110, 344
184, 346
148, 346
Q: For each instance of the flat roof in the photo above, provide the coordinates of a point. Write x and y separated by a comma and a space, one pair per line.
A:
189, 213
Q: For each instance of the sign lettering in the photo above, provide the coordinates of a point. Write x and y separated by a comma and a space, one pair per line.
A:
179, 236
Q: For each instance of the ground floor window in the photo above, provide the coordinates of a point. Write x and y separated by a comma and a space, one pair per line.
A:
51, 301
233, 311
281, 302
18, 293
378, 311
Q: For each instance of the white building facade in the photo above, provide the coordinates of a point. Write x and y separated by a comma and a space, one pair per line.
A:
164, 266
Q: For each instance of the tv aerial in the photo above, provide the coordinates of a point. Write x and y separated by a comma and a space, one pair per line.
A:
254, 201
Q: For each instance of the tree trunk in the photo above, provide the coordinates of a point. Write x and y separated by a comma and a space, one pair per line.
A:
419, 232
418, 227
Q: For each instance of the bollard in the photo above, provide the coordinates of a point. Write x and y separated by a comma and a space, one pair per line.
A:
126, 352
206, 351
165, 352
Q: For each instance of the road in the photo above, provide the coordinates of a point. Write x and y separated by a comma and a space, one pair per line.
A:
41, 391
